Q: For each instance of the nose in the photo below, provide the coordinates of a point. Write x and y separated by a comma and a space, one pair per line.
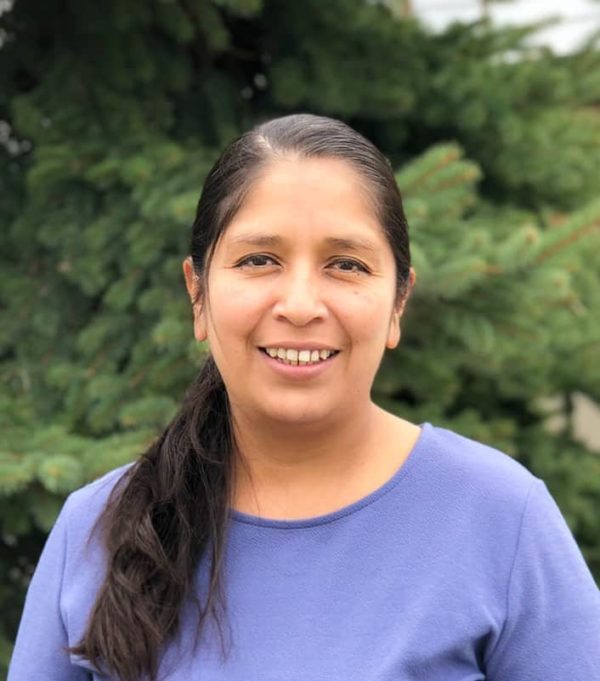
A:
299, 299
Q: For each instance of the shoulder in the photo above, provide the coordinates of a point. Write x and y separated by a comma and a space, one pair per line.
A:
99, 490
478, 477
84, 555
474, 501
475, 461
83, 506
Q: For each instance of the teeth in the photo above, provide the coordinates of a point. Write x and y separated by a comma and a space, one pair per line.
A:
298, 357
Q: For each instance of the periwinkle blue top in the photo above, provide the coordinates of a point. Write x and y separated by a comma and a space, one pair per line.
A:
459, 568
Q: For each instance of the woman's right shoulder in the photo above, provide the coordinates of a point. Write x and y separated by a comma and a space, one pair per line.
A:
83, 506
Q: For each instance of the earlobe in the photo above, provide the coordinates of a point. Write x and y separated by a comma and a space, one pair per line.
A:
394, 332
199, 324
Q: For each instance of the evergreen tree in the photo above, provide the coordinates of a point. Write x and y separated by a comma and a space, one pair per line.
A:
112, 114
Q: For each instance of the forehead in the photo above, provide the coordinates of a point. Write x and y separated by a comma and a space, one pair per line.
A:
314, 195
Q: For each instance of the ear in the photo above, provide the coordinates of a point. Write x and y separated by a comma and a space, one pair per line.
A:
395, 331
194, 289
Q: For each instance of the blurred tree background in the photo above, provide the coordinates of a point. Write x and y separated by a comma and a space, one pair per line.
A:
110, 116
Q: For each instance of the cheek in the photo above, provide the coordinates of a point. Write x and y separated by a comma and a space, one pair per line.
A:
234, 306
368, 312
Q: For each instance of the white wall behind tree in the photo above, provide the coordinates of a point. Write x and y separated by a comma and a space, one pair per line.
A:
577, 20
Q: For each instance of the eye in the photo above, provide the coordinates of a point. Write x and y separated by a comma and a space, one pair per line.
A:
258, 260
349, 265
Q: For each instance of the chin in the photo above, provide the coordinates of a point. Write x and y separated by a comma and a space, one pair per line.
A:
297, 414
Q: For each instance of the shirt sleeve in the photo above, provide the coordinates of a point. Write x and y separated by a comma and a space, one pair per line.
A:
552, 627
39, 653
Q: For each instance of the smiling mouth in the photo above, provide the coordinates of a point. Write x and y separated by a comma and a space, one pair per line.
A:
299, 357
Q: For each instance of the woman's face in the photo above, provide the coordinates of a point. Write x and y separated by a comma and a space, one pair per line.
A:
301, 297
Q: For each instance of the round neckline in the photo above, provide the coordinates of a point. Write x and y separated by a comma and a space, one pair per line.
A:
299, 523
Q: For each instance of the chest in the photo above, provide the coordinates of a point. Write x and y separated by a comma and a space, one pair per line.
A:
365, 601
350, 609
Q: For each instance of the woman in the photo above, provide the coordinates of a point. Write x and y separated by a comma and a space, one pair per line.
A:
283, 526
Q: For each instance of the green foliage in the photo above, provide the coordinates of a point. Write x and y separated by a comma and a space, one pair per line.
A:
116, 111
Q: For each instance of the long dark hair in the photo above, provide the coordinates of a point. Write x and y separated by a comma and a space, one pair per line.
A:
172, 506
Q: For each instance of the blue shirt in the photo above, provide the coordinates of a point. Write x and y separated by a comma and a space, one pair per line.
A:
459, 568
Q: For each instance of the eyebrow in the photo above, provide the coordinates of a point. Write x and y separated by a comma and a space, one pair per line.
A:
257, 239
355, 244
352, 244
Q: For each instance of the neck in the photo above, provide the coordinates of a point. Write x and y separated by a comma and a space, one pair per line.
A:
288, 471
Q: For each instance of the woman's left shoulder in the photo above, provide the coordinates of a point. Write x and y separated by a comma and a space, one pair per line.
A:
475, 468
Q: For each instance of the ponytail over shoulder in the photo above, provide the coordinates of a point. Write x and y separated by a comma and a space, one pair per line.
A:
168, 509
